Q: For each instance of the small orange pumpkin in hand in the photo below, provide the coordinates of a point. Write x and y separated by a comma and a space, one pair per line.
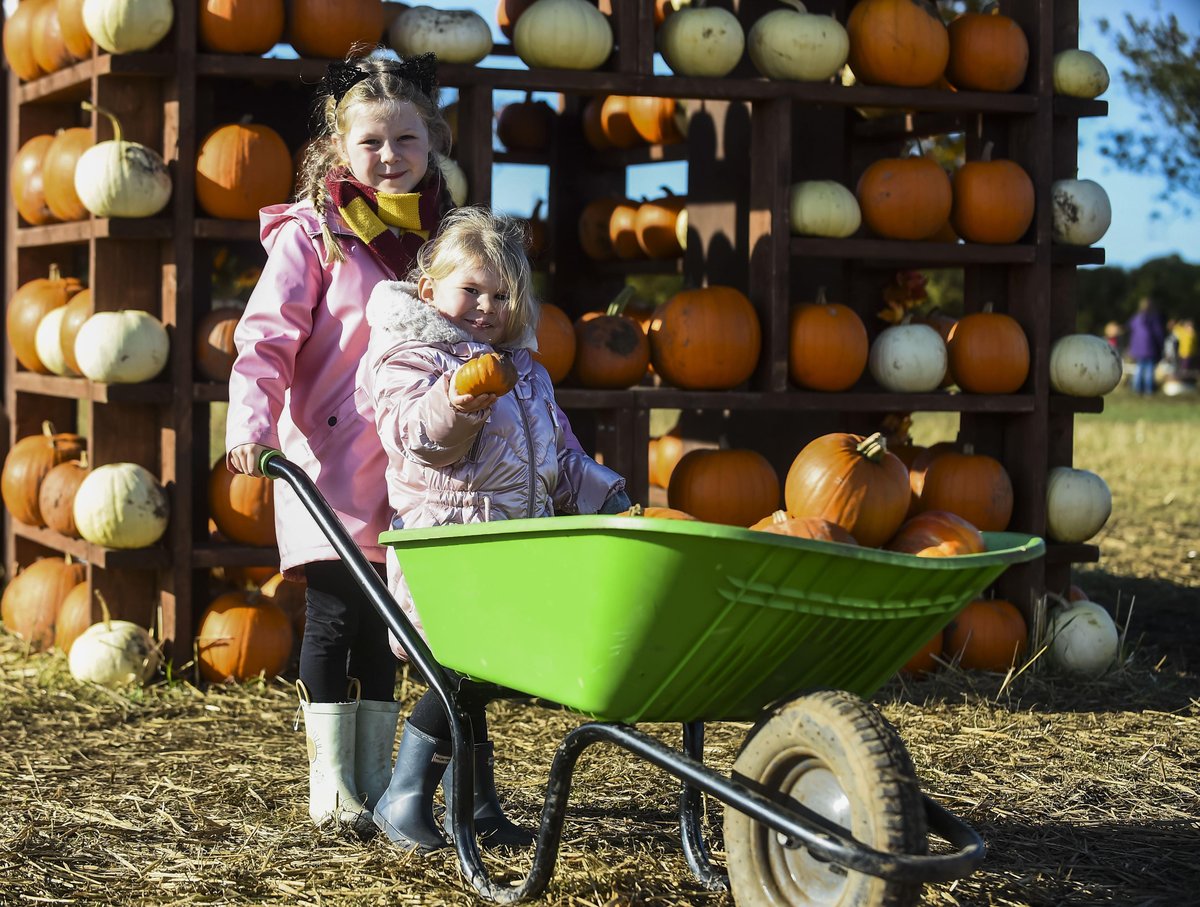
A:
491, 373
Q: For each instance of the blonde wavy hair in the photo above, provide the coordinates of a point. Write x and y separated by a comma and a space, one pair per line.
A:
481, 237
382, 92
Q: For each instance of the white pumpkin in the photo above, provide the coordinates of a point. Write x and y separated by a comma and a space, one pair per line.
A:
792, 44
455, 177
1084, 365
824, 208
1083, 639
121, 179
114, 653
1078, 504
701, 41
681, 228
46, 341
1079, 74
121, 505
1081, 211
122, 347
908, 359
563, 34
124, 26
455, 35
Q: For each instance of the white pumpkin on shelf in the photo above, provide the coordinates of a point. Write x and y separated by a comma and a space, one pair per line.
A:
1083, 638
1080, 212
117, 178
701, 41
123, 347
1078, 504
794, 44
125, 26
1084, 365
908, 359
455, 35
823, 208
1079, 74
563, 34
121, 505
48, 344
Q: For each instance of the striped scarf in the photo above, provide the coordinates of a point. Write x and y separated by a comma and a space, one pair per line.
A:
370, 213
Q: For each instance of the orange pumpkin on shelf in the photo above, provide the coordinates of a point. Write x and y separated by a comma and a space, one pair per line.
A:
904, 197
706, 339
654, 225
827, 345
993, 200
974, 486
215, 349
988, 52
26, 467
242, 506
656, 120
622, 230
26, 180
734, 487
897, 42
988, 353
18, 41
32, 599
56, 496
58, 173
611, 350
240, 168
987, 635
49, 48
616, 123
241, 637
809, 527
318, 28
32, 301
937, 533
555, 341
662, 456
594, 237
74, 32
525, 125
240, 26
593, 132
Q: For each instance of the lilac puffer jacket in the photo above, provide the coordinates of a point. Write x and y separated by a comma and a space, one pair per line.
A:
507, 462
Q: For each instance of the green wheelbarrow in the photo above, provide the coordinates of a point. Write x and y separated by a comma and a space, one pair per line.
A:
633, 619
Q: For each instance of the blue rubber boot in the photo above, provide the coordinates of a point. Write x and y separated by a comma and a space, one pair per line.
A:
405, 810
492, 827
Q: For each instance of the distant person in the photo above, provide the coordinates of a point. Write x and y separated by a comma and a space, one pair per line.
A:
1185, 336
1112, 333
1146, 333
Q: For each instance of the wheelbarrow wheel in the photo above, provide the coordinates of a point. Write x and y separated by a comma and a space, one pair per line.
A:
839, 757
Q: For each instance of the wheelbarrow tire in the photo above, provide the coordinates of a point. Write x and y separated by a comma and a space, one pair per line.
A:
839, 757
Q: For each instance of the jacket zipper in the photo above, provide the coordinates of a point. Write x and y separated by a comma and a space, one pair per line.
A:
529, 447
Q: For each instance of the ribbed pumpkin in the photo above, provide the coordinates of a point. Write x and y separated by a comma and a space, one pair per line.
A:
616, 123
26, 466
659, 121
993, 200
18, 40
77, 311
487, 373
897, 42
26, 180
120, 178
58, 172
734, 487
562, 34
662, 456
74, 616
936, 533
126, 26
31, 601
622, 230
49, 48
329, 28
988, 52
121, 505
701, 41
921, 461
32, 301
526, 125
655, 226
240, 168
974, 486
594, 237
239, 638
240, 26
611, 350
242, 506
556, 342
987, 635
988, 353
74, 32
808, 527
904, 197
705, 339
215, 351
56, 496
827, 345
852, 481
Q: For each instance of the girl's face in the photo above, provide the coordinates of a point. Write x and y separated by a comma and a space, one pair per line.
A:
472, 298
389, 152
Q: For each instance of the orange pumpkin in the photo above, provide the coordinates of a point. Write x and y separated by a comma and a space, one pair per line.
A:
1076, 594
58, 173
852, 481
974, 486
662, 456
594, 237
537, 232
18, 42
827, 345
654, 226
611, 351
329, 28
657, 513
56, 496
925, 659
622, 230
79, 310
593, 131
897, 42
49, 48
26, 180
290, 596
26, 467
555, 341
809, 527
904, 197
240, 26
239, 638
988, 353
74, 32
240, 168
705, 339
525, 125
616, 123
488, 373
993, 200
31, 601
987, 635
74, 616
242, 506
215, 349
32, 301
507, 13
921, 462
988, 52
734, 487
244, 577
656, 120
937, 533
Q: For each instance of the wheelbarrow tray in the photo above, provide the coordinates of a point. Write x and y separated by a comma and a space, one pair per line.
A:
638, 619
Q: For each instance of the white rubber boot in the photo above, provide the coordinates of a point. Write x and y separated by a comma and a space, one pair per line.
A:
374, 738
330, 729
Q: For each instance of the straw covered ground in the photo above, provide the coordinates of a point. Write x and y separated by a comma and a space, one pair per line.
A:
1087, 792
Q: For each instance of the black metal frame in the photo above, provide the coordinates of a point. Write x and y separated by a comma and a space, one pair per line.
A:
800, 826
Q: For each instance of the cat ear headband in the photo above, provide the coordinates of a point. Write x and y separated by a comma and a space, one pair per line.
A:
341, 77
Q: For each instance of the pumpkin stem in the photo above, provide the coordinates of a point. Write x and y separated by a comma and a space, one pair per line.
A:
779, 516
821, 297
873, 447
622, 299
105, 614
55, 272
637, 510
83, 458
986, 154
796, 4
116, 124
987, 307
537, 209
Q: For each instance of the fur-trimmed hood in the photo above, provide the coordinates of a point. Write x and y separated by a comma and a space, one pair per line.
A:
395, 309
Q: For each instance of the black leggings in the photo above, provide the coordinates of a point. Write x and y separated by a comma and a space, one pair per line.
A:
344, 637
429, 717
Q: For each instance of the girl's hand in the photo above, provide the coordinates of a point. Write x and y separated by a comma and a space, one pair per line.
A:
471, 403
244, 458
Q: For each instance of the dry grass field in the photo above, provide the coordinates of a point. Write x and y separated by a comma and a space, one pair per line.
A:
1087, 792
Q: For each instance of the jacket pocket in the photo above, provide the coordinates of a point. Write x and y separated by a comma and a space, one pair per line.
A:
345, 417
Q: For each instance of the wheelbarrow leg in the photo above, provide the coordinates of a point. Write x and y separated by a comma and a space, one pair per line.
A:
691, 817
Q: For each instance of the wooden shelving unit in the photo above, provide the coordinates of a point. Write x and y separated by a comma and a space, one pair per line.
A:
748, 140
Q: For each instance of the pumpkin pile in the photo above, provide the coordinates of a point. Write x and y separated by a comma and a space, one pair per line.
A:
612, 228
617, 121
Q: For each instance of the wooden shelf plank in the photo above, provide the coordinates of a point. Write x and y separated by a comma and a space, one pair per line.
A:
914, 253
613, 159
149, 392
1059, 553
210, 391
1062, 404
638, 266
1076, 255
74, 82
1079, 107
792, 401
153, 558
229, 555
81, 231
226, 230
